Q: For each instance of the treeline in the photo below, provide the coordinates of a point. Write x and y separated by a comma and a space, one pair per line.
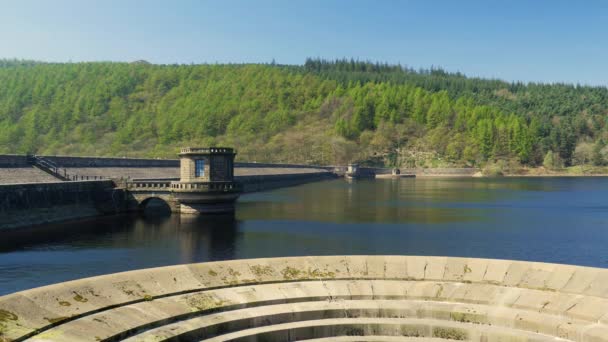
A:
321, 112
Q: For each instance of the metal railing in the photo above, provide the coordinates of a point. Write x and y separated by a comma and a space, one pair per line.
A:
51, 167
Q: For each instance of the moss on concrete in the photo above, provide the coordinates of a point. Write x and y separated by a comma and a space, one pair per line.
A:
54, 320
202, 302
290, 273
7, 316
261, 271
450, 333
79, 298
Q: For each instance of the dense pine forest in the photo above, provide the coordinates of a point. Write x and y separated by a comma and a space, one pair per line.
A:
322, 112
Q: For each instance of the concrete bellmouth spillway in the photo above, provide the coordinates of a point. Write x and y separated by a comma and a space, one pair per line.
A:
328, 298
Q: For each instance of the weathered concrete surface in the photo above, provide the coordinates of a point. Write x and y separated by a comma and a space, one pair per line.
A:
337, 298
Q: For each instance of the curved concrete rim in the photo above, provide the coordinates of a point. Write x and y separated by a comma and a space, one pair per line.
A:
342, 298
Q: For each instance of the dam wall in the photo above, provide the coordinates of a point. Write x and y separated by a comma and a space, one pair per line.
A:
77, 162
321, 298
38, 203
13, 160
70, 162
28, 204
268, 182
442, 172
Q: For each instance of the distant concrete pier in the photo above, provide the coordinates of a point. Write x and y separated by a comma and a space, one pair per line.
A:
328, 298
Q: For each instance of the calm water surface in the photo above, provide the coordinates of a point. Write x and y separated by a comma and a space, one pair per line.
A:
563, 220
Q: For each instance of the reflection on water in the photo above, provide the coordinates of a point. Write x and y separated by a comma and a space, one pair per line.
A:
48, 254
544, 219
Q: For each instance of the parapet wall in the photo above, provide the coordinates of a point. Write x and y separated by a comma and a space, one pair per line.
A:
445, 172
268, 182
327, 298
37, 203
67, 161
290, 166
13, 160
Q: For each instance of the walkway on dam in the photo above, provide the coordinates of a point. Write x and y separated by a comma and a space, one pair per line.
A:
15, 169
327, 298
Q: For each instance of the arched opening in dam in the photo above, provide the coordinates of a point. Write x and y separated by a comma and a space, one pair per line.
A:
155, 206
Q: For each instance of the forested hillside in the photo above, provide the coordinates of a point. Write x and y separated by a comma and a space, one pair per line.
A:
321, 112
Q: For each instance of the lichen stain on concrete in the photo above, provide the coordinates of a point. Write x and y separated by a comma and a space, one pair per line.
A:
131, 288
202, 302
261, 271
450, 333
55, 319
7, 316
79, 298
290, 273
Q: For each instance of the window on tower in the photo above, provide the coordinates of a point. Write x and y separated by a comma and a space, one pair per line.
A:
199, 168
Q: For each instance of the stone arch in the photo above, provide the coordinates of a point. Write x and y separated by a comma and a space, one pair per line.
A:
146, 200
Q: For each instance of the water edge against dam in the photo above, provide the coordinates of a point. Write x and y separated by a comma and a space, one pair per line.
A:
561, 220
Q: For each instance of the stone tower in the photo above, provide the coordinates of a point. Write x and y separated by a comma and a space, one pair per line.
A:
206, 182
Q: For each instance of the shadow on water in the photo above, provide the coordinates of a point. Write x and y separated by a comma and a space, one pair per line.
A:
48, 254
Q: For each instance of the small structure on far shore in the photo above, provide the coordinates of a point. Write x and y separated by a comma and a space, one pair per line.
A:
395, 173
206, 182
353, 171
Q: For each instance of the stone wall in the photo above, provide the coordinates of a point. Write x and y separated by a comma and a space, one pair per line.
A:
67, 161
37, 203
441, 172
268, 182
12, 160
269, 165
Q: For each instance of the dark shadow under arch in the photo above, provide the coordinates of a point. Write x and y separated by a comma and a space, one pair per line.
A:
154, 206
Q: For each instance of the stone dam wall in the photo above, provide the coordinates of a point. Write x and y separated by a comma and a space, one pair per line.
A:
269, 182
77, 162
326, 298
68, 161
37, 203
27, 204
10, 160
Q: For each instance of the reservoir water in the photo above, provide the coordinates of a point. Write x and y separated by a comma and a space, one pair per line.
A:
562, 220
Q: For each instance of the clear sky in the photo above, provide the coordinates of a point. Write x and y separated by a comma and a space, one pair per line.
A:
531, 40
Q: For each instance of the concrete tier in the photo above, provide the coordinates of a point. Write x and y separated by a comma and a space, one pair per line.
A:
337, 298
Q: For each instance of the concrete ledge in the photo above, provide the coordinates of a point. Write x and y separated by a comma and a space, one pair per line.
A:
381, 298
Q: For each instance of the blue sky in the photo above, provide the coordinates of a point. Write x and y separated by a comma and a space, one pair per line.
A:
534, 40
